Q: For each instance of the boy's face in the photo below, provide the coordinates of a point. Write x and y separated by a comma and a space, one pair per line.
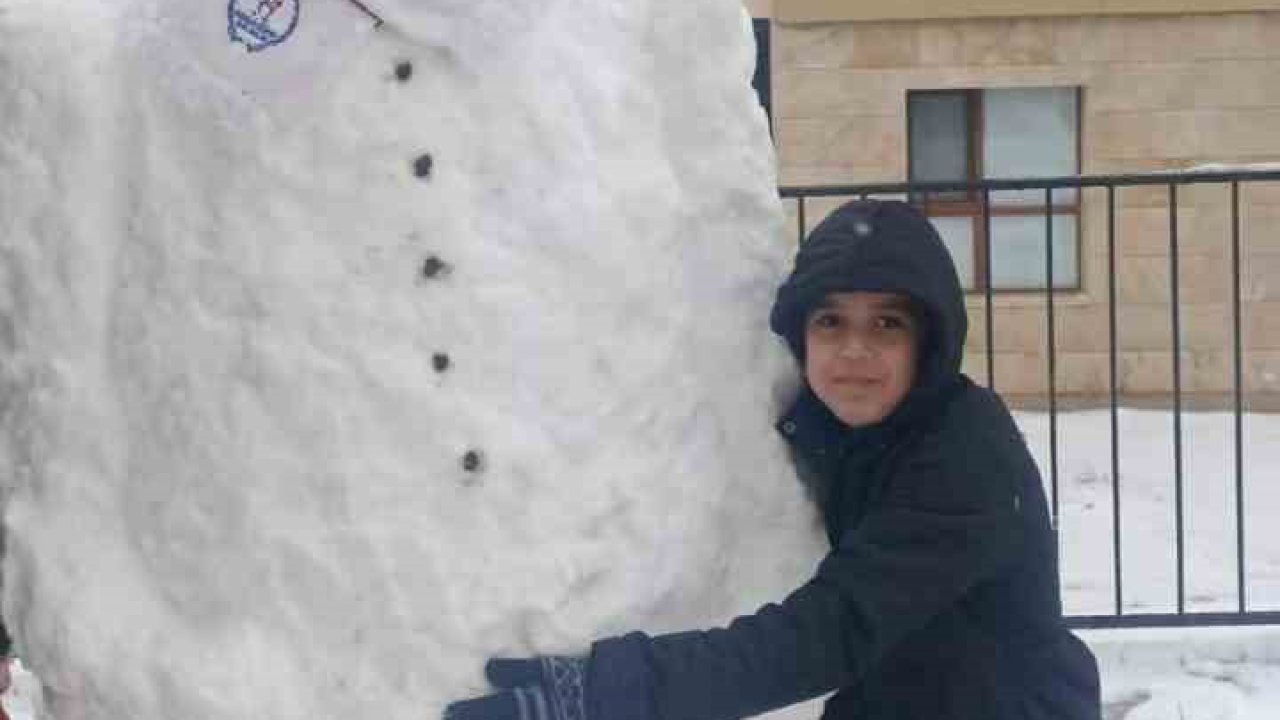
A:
860, 354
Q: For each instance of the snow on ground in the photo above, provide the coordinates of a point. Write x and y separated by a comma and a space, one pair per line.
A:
1170, 674
1148, 508
1189, 674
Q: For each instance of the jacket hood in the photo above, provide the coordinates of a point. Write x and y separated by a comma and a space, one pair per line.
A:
880, 246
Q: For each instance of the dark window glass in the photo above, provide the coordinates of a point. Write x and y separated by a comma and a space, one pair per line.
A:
939, 137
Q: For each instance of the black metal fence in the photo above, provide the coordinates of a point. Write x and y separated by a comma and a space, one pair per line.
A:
1169, 184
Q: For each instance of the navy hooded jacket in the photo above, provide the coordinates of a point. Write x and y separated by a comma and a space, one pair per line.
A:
939, 599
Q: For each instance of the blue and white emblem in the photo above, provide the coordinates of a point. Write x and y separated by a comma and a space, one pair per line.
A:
259, 24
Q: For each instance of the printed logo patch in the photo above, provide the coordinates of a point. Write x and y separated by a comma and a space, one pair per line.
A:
259, 24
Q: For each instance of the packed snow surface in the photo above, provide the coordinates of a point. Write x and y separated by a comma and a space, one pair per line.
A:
1170, 674
336, 366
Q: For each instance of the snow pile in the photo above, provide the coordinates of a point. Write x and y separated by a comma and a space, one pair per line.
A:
326, 380
1170, 674
1148, 511
1189, 674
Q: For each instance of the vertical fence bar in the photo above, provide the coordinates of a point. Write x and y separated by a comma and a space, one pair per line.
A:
989, 289
1177, 395
1053, 393
800, 214
1237, 352
1115, 413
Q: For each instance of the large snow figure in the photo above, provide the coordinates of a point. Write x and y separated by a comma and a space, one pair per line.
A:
338, 356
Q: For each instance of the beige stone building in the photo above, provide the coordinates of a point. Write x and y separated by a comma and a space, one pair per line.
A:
865, 92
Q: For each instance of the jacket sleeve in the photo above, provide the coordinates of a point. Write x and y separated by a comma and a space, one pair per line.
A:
947, 522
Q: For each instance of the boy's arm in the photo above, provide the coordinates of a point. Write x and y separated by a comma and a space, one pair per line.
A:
943, 527
900, 568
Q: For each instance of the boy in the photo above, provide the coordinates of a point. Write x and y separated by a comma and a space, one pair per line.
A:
939, 599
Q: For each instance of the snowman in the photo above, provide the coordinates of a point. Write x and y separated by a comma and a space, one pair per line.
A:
429, 331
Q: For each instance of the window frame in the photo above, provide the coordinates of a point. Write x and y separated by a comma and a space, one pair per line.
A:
971, 205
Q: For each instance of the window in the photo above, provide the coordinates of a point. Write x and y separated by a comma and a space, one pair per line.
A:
958, 135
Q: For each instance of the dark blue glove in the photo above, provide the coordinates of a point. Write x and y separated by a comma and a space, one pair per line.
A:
541, 688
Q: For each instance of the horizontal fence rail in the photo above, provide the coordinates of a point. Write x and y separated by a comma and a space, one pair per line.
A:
1169, 185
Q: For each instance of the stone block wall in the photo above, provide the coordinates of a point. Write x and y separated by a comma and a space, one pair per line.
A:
1158, 93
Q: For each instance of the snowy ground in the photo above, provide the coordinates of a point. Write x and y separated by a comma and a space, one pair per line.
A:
1195, 674
1148, 509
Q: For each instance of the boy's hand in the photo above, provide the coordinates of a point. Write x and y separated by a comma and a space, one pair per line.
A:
541, 688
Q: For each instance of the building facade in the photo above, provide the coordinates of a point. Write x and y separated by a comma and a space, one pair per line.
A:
918, 90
